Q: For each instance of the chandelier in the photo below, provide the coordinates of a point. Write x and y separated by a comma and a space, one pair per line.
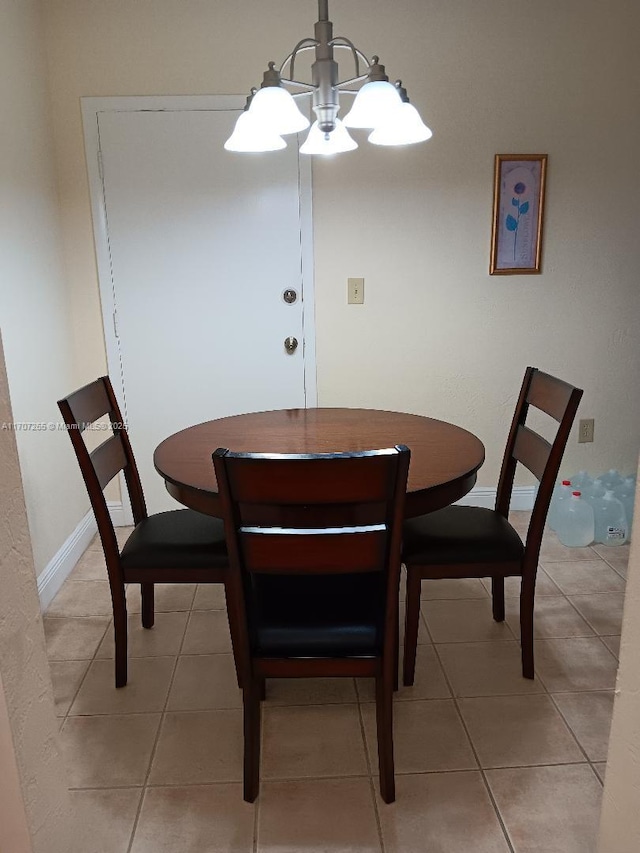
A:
271, 112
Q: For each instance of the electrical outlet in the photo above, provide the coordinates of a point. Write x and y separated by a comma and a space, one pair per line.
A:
585, 430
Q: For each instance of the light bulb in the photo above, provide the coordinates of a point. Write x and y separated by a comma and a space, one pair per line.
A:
318, 142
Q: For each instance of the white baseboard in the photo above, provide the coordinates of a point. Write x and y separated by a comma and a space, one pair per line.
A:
63, 562
117, 513
522, 497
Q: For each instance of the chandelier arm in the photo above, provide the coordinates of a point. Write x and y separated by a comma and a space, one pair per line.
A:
342, 41
302, 46
309, 87
349, 82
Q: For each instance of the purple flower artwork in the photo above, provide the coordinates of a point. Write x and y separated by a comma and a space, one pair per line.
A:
513, 224
518, 196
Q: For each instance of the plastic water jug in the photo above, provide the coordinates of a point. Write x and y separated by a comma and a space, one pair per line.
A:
612, 479
575, 522
581, 481
561, 492
610, 520
626, 493
595, 489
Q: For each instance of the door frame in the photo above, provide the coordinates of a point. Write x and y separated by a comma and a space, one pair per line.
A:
91, 108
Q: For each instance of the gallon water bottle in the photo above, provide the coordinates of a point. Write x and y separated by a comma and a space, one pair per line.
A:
612, 479
594, 489
575, 522
610, 520
626, 493
561, 492
581, 481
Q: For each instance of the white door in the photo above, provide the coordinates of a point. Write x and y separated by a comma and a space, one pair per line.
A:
200, 246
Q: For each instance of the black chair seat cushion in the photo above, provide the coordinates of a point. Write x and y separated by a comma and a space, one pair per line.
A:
460, 534
175, 539
317, 615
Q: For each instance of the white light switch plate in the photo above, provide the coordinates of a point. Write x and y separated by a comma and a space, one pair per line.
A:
355, 291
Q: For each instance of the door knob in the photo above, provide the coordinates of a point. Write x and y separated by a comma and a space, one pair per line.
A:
290, 345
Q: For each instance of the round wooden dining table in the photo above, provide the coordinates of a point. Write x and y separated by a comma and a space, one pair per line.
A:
444, 458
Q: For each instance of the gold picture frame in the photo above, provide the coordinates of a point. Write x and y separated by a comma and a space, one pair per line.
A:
518, 213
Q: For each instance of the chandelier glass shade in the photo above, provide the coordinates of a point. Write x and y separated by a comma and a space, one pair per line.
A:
250, 135
374, 105
404, 126
274, 108
326, 144
379, 106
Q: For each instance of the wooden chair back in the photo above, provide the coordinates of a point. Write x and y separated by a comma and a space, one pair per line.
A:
313, 514
560, 401
99, 466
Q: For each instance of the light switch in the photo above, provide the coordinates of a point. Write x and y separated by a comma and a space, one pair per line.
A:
355, 291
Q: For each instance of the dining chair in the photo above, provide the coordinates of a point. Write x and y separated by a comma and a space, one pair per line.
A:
314, 556
178, 546
475, 542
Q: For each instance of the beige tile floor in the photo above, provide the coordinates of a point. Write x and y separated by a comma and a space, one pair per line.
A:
485, 761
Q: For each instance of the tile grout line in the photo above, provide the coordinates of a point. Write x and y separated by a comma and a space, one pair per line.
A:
367, 757
570, 727
598, 635
154, 748
92, 660
547, 692
256, 812
477, 759
336, 777
98, 644
551, 695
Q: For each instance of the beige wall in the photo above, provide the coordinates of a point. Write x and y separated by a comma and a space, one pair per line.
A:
34, 306
437, 334
24, 675
620, 822
14, 830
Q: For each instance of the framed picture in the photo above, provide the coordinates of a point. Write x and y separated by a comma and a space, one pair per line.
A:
518, 204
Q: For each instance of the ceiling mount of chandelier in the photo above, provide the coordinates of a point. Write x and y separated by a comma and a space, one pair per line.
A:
271, 112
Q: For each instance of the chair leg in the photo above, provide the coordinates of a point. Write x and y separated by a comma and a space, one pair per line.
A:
527, 595
497, 592
120, 634
384, 721
411, 623
233, 630
146, 593
396, 655
251, 700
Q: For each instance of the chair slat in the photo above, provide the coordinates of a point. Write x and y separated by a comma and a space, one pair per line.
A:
363, 479
549, 394
326, 552
299, 515
89, 404
532, 450
108, 459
